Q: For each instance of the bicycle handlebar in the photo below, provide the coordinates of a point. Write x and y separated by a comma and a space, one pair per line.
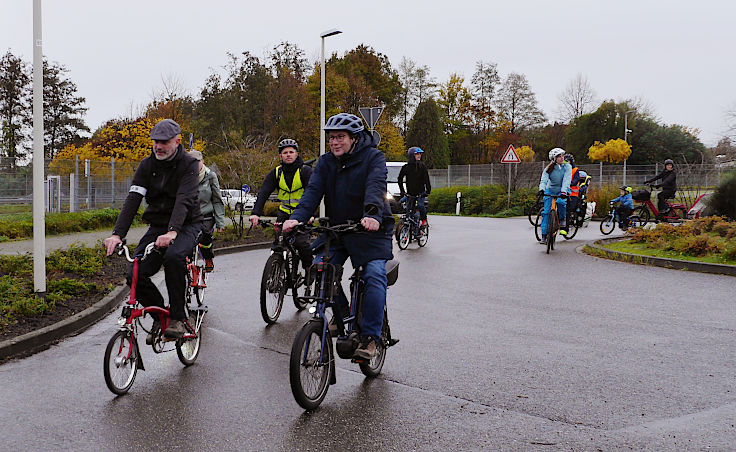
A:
122, 248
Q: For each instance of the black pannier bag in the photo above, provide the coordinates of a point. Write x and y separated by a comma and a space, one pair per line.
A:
641, 195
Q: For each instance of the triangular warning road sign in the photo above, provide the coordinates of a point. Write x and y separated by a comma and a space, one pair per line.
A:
510, 156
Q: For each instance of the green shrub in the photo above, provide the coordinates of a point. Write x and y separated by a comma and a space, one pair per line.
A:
697, 245
602, 195
76, 259
21, 225
723, 200
16, 265
480, 200
271, 208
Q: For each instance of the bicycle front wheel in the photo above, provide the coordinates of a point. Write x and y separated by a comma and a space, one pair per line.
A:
423, 235
607, 225
404, 235
643, 213
273, 288
309, 366
121, 362
188, 349
553, 226
538, 226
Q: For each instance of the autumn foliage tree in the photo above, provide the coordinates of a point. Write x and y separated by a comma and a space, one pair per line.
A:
613, 151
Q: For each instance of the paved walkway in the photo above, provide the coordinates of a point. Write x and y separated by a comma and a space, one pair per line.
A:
55, 242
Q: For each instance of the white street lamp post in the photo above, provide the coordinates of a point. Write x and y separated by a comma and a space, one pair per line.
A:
626, 134
323, 35
39, 221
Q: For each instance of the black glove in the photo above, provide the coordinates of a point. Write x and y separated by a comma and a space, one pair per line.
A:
563, 195
540, 193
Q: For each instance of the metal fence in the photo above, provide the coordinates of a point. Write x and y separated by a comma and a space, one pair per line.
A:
702, 176
84, 185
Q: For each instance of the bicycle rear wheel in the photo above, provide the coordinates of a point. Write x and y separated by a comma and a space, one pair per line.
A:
297, 281
121, 362
607, 225
572, 228
309, 377
273, 288
373, 367
188, 349
404, 235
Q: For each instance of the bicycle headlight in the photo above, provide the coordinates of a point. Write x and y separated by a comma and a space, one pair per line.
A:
312, 309
122, 321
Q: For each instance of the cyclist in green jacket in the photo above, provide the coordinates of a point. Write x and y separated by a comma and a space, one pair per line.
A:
212, 207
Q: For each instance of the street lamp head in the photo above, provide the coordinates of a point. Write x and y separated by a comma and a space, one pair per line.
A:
328, 33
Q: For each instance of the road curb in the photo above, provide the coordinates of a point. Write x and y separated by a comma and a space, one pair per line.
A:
676, 264
41, 339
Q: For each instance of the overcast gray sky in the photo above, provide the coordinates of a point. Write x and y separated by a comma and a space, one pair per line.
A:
676, 55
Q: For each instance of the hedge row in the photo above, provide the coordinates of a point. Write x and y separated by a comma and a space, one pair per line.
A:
490, 200
21, 226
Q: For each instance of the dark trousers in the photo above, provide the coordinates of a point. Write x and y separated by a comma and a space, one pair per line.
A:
205, 240
662, 197
420, 203
623, 215
301, 242
175, 268
573, 203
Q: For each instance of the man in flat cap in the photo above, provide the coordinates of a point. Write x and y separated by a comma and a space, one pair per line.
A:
168, 179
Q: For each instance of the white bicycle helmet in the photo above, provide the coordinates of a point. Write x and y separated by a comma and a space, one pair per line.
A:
556, 152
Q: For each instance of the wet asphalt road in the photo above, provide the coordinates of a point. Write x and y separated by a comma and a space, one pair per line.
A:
502, 348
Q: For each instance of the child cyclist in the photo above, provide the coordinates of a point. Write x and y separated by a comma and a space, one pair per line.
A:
627, 206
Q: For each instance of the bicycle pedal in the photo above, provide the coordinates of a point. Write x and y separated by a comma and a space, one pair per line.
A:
393, 342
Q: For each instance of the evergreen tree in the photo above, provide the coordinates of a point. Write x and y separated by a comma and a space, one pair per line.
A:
62, 110
15, 107
426, 131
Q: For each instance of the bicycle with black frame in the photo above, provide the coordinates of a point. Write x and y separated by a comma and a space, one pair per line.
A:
410, 227
280, 274
312, 358
572, 226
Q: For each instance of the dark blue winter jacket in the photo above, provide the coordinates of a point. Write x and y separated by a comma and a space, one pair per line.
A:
354, 187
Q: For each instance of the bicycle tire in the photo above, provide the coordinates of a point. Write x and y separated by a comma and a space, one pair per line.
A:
643, 213
634, 221
120, 364
299, 303
538, 227
308, 377
607, 225
373, 367
423, 235
188, 349
404, 236
572, 229
273, 288
552, 227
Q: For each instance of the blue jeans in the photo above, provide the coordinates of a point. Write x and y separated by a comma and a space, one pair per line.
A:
374, 300
421, 206
561, 211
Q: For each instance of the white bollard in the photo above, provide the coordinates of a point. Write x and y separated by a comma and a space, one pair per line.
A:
457, 206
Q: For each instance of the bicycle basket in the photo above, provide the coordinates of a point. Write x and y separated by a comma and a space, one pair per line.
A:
641, 195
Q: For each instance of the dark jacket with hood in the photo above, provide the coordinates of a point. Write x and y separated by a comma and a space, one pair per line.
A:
271, 182
171, 191
354, 187
417, 177
669, 180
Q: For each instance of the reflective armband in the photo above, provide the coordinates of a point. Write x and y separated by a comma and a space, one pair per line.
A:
138, 189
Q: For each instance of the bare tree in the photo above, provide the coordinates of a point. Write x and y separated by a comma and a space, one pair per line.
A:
731, 123
407, 77
484, 83
577, 99
167, 100
517, 103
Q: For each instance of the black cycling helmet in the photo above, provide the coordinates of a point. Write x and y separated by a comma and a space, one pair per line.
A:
344, 121
288, 143
669, 162
570, 158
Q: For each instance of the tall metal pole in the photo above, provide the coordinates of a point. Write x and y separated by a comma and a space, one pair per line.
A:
322, 116
39, 220
626, 134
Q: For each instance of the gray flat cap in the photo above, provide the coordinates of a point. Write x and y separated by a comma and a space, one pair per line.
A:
196, 154
165, 130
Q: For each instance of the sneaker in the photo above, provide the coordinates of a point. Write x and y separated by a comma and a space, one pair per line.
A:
209, 265
176, 329
543, 241
563, 231
366, 349
423, 223
155, 329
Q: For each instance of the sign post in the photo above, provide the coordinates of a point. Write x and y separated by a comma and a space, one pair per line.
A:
371, 115
510, 157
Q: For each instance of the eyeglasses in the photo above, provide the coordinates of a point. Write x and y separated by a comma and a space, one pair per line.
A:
339, 137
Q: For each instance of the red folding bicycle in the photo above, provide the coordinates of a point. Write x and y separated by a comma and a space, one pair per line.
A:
676, 213
122, 354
